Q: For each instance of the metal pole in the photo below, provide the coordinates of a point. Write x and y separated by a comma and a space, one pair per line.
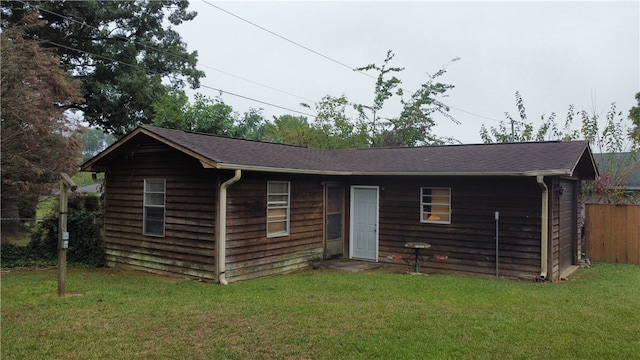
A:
497, 217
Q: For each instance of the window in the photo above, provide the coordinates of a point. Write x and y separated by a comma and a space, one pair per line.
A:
154, 204
277, 208
435, 205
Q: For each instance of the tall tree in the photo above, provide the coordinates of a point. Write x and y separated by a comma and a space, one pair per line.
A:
413, 125
523, 130
205, 115
289, 129
333, 129
251, 125
38, 140
125, 52
94, 141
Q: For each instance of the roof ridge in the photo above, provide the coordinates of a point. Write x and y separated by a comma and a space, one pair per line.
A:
151, 128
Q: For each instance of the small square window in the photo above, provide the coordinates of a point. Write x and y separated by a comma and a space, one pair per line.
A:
435, 205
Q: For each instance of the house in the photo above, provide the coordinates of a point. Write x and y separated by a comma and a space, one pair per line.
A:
229, 209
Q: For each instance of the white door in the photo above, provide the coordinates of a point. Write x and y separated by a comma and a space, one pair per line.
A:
364, 223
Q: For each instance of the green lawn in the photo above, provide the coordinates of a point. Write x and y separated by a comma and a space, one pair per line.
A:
321, 314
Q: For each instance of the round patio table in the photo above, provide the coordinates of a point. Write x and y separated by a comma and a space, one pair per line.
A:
416, 246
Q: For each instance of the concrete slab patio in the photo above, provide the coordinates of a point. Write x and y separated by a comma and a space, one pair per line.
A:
348, 265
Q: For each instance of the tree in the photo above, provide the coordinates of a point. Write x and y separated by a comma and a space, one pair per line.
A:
251, 125
413, 125
332, 127
125, 53
522, 130
205, 115
613, 143
634, 116
38, 140
289, 129
94, 141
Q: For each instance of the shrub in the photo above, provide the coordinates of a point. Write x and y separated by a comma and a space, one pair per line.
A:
85, 239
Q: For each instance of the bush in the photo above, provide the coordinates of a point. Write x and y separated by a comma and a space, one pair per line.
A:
13, 255
85, 240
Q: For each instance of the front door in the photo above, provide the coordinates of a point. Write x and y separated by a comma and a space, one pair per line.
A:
364, 223
334, 202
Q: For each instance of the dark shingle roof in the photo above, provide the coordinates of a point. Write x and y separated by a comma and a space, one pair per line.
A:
534, 158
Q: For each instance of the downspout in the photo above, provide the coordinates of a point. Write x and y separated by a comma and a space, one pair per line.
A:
221, 227
544, 233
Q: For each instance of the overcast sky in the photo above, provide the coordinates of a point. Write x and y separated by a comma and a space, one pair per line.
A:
555, 53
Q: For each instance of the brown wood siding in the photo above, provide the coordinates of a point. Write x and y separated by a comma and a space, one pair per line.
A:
250, 253
568, 225
469, 241
564, 225
188, 245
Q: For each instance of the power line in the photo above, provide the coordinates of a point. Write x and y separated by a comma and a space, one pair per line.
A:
289, 40
322, 55
470, 113
218, 70
170, 54
256, 100
222, 91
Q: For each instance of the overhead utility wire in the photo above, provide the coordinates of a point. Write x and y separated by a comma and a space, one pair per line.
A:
470, 113
218, 70
222, 91
171, 54
320, 54
289, 40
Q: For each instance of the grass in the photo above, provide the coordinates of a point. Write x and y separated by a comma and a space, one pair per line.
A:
321, 314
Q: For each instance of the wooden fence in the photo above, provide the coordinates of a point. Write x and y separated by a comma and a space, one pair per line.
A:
613, 233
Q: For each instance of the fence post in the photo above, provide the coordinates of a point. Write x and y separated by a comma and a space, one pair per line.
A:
66, 184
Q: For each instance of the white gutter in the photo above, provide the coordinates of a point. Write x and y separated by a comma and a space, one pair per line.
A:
544, 232
221, 227
552, 172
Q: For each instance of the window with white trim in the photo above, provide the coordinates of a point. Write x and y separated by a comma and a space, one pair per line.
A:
435, 205
277, 208
154, 207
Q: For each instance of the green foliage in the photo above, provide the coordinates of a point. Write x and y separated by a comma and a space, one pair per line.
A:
523, 131
412, 127
94, 141
205, 115
634, 116
614, 141
334, 129
84, 223
251, 125
126, 53
613, 137
289, 129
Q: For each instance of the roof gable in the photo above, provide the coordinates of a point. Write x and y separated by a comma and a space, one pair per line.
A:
520, 159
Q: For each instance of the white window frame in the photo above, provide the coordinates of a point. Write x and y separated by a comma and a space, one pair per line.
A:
424, 204
146, 206
273, 205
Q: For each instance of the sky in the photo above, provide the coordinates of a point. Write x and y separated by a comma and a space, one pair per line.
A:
554, 53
